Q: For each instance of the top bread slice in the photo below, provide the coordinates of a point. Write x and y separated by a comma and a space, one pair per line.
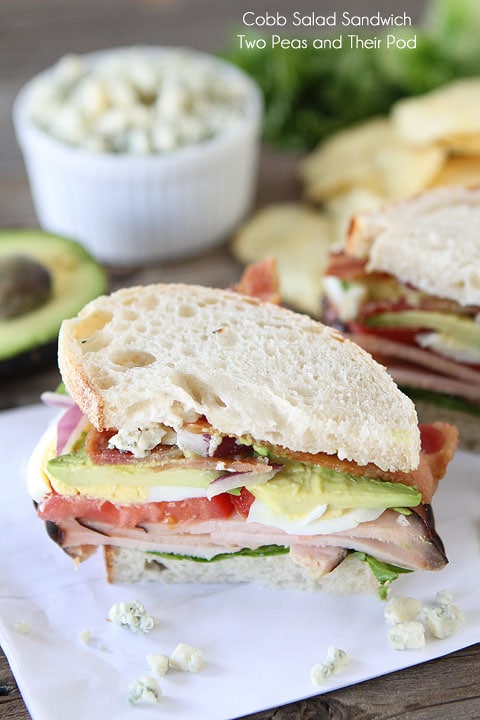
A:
172, 353
430, 240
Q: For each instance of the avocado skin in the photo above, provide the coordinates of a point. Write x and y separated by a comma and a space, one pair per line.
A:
39, 358
28, 342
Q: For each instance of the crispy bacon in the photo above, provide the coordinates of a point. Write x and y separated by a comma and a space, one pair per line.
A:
166, 456
346, 266
260, 280
424, 478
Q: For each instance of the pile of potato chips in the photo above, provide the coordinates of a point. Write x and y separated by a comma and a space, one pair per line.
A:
425, 141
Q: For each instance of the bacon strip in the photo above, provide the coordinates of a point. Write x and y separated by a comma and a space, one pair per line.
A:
260, 280
424, 478
166, 457
346, 266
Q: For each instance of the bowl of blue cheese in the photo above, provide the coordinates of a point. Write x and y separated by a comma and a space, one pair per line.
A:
141, 153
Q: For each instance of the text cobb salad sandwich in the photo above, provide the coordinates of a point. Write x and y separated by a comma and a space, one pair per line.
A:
211, 436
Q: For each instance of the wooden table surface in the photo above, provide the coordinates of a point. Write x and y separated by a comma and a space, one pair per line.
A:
34, 34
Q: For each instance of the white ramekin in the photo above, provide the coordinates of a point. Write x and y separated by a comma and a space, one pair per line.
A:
130, 209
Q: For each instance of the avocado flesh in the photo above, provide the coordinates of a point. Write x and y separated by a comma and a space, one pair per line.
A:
462, 331
76, 279
295, 491
299, 488
76, 470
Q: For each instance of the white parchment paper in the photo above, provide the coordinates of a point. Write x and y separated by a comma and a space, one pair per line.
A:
259, 644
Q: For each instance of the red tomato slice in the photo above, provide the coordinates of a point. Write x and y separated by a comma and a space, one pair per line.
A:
58, 507
432, 439
243, 501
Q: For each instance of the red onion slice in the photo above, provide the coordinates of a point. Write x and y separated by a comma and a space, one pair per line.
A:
54, 399
210, 445
196, 443
70, 428
233, 480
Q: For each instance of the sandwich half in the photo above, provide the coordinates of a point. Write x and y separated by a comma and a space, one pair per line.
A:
210, 436
407, 289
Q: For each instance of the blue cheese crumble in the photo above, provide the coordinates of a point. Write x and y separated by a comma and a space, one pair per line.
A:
335, 661
186, 657
138, 101
133, 616
144, 690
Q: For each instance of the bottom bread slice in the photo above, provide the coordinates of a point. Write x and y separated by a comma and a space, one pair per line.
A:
351, 577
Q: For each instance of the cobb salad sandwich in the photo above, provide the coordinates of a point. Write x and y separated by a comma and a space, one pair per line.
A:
212, 436
407, 289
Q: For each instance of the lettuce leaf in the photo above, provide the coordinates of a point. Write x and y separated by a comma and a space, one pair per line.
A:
263, 551
384, 572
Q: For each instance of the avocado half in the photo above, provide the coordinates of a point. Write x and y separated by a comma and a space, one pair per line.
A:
64, 278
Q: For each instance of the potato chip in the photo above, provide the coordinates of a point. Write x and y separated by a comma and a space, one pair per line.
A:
344, 160
300, 239
458, 171
448, 112
370, 156
343, 207
468, 144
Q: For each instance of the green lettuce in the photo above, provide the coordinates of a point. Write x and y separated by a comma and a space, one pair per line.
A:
384, 572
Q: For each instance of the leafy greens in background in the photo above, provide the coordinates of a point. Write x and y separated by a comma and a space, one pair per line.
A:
311, 93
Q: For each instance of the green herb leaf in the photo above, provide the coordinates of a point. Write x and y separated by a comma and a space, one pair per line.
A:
384, 572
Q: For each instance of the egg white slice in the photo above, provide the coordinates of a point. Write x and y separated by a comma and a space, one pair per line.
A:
311, 524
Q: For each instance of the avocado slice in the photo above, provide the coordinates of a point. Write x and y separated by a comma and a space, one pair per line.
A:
462, 330
299, 488
70, 279
77, 471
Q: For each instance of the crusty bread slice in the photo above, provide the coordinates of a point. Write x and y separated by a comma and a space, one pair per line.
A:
430, 240
351, 577
172, 353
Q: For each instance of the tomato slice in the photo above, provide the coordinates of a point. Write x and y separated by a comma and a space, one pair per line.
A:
243, 501
58, 507
432, 439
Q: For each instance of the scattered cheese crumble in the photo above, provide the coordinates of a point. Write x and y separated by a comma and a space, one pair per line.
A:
408, 633
144, 690
22, 628
335, 661
402, 609
85, 636
132, 615
443, 621
159, 663
186, 657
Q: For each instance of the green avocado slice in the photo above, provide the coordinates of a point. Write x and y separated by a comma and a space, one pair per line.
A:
463, 330
75, 279
299, 488
76, 470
